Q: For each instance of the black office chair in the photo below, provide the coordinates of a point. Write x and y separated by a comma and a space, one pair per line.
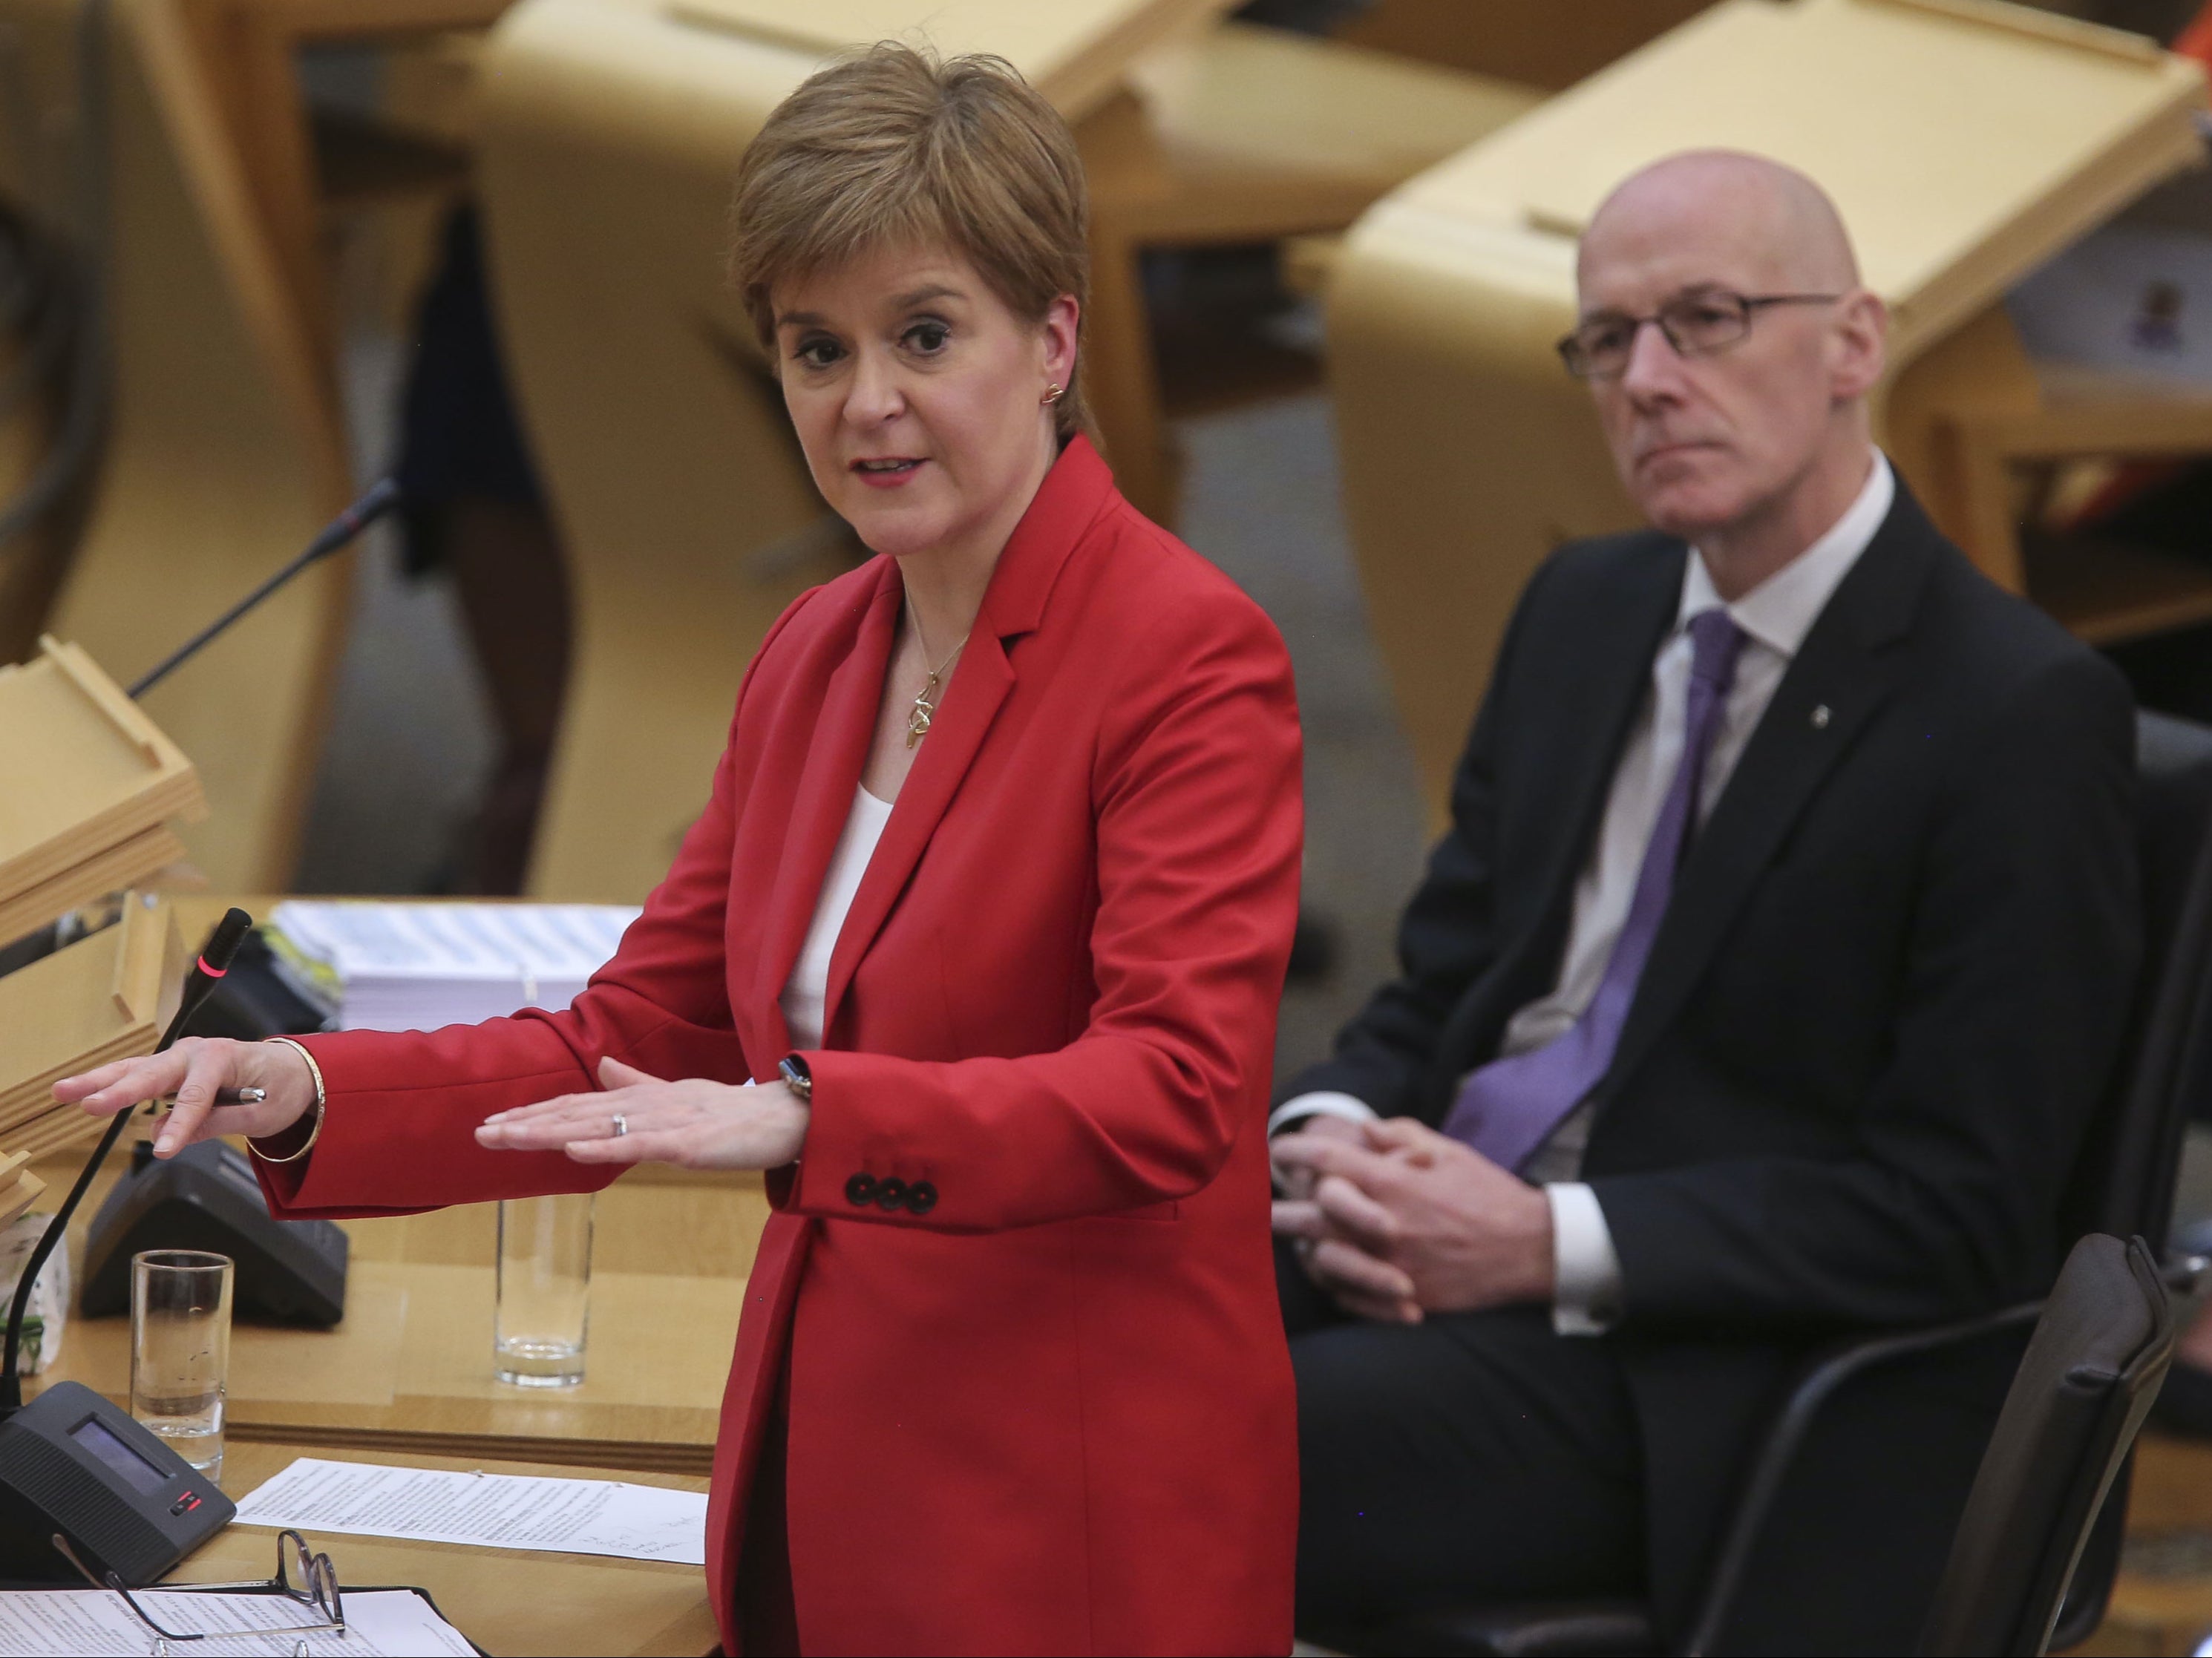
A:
2086, 1382
2123, 1185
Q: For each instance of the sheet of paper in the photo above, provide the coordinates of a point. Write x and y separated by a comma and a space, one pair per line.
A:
64, 1622
494, 1510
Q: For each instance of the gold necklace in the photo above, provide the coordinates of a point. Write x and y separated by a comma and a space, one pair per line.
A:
925, 700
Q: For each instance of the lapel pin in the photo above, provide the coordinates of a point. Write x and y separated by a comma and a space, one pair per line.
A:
1820, 717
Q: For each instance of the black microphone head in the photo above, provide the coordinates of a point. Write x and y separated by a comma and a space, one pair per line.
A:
222, 944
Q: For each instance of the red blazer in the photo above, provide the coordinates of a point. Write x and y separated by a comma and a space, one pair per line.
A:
1054, 1412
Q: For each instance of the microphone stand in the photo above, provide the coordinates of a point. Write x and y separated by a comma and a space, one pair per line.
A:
214, 962
381, 497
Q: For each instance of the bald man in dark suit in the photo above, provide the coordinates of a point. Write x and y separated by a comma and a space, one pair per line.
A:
1758, 995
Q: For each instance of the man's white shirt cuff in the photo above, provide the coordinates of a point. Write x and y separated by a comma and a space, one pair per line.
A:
1586, 1295
1322, 1102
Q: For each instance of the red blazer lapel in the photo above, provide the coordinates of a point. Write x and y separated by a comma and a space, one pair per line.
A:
971, 702
1067, 502
837, 752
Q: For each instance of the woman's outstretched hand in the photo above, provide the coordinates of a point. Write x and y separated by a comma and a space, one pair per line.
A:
205, 1073
694, 1123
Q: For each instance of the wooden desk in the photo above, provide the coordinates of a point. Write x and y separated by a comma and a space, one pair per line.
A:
411, 1366
507, 1601
410, 1369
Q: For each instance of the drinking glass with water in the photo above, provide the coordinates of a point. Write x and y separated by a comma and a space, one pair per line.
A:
180, 1350
544, 1290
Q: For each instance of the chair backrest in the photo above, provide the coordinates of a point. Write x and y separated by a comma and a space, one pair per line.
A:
2122, 1183
2090, 1373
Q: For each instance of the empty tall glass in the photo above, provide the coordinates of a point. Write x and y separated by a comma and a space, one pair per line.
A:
544, 1290
180, 1350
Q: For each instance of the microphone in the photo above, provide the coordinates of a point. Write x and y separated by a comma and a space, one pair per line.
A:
381, 497
214, 962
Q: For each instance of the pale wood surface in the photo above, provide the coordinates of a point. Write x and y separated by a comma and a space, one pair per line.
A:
2106, 592
1551, 45
105, 997
1963, 146
139, 860
1074, 50
83, 770
509, 1602
2042, 132
411, 1365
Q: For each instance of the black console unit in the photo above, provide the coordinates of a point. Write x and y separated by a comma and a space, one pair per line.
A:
293, 1272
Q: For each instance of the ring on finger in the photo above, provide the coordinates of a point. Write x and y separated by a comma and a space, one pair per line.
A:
622, 1124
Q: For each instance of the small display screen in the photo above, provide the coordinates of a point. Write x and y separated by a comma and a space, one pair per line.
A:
100, 1439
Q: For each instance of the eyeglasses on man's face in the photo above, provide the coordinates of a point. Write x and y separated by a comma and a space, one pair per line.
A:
1697, 324
302, 1575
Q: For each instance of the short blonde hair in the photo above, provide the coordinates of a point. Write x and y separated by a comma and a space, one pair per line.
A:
892, 147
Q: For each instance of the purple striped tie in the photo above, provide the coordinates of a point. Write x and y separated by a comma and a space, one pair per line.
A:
1509, 1107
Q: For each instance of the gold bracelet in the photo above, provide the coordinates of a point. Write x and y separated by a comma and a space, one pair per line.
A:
321, 1099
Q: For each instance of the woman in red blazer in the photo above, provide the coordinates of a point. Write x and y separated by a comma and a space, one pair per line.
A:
1010, 1377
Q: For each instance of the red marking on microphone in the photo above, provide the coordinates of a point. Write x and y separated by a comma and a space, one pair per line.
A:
212, 972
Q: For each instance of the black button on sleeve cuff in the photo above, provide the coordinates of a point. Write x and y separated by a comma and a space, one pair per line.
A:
890, 1195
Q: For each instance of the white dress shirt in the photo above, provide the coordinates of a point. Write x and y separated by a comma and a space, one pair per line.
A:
1775, 617
806, 993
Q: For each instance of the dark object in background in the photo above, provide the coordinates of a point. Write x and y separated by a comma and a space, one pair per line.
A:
1301, 17
289, 1272
475, 508
252, 1002
2171, 672
1313, 949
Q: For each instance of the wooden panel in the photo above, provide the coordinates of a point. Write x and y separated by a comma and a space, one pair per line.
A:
1072, 50
100, 999
1551, 44
1862, 94
80, 768
19, 1186
127, 863
507, 1601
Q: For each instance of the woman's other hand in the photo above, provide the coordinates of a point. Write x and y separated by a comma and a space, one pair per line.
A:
200, 1071
693, 1123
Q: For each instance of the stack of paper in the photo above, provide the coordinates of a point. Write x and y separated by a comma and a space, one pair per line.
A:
380, 1624
105, 997
417, 966
87, 786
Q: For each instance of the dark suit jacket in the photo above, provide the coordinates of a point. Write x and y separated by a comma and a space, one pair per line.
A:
1886, 994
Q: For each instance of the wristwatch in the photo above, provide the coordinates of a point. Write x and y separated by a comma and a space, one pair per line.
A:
796, 1078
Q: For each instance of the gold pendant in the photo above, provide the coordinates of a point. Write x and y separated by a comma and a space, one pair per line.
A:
924, 710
